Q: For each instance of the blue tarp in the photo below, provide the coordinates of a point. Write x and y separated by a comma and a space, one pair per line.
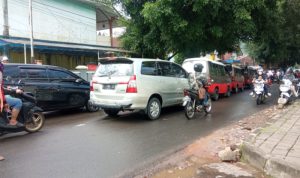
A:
230, 61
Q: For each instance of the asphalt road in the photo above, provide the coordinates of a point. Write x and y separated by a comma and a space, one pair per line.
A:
76, 144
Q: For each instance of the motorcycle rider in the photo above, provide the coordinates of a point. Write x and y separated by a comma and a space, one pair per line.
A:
199, 84
8, 100
261, 75
289, 74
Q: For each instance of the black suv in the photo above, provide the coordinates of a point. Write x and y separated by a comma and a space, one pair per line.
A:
55, 88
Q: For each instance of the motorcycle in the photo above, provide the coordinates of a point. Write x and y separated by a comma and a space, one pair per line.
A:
191, 101
259, 91
30, 115
286, 92
192, 104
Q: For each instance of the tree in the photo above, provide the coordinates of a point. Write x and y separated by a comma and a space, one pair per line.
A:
189, 27
281, 43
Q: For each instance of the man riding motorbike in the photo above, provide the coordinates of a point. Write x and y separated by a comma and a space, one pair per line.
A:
261, 75
198, 84
289, 74
8, 100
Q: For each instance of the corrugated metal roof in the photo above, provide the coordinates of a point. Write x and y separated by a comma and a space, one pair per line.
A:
42, 43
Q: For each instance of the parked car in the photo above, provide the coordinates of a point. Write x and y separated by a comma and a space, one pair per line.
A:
214, 72
237, 77
121, 84
55, 88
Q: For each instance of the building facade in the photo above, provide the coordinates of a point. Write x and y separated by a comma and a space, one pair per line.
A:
64, 31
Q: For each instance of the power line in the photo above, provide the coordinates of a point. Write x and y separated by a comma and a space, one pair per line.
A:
65, 10
41, 9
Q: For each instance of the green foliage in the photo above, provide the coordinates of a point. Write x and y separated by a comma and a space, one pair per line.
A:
188, 27
279, 42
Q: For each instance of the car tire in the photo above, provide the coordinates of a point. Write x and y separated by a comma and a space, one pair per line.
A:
242, 88
91, 108
111, 112
153, 109
228, 93
215, 95
236, 89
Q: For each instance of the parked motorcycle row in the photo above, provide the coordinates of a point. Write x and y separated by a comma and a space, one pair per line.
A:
286, 94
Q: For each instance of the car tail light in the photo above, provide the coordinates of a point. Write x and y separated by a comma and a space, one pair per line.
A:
131, 86
92, 85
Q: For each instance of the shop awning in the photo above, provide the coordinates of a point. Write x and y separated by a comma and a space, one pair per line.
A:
52, 46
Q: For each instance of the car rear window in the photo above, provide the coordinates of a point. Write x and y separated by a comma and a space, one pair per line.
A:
114, 69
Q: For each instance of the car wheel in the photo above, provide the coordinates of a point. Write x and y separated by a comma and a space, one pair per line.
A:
91, 108
153, 109
236, 89
215, 95
242, 88
111, 112
228, 93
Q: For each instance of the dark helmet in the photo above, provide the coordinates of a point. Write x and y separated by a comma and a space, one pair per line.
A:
198, 67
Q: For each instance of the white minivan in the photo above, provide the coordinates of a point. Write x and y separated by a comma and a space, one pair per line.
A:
137, 84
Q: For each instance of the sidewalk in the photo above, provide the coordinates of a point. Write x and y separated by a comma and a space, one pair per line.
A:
275, 149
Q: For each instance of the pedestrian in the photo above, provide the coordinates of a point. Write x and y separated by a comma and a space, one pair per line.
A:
1, 99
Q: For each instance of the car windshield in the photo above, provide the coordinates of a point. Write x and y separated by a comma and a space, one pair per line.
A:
114, 69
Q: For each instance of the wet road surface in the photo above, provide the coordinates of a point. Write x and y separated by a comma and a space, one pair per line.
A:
76, 144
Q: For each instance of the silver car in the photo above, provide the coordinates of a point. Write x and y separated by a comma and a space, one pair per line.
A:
137, 84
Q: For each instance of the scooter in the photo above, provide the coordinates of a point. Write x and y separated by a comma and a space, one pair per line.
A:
30, 115
286, 93
192, 104
191, 101
259, 91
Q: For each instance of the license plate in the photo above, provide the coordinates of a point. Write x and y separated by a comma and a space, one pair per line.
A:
108, 87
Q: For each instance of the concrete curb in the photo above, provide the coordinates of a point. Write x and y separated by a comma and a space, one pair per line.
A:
275, 167
254, 156
279, 168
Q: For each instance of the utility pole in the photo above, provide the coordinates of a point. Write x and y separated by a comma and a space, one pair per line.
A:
5, 26
31, 31
5, 19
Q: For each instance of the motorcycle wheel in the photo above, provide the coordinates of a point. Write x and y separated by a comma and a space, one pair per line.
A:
38, 121
189, 110
259, 99
207, 108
